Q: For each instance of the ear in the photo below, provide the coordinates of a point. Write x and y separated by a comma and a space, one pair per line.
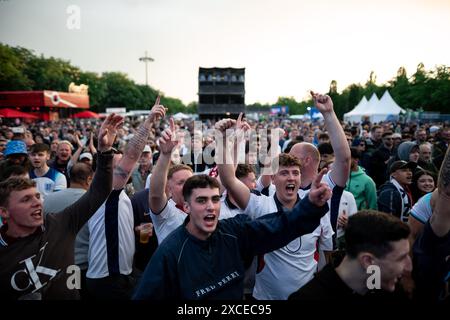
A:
186, 207
366, 259
4, 213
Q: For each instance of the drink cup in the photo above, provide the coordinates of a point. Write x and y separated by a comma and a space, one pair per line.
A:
145, 232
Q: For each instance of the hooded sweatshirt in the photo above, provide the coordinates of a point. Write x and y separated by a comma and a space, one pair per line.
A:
404, 149
363, 189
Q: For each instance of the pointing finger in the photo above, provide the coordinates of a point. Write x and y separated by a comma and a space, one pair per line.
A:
172, 124
158, 99
319, 177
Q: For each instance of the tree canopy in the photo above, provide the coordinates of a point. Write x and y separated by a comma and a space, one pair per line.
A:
22, 69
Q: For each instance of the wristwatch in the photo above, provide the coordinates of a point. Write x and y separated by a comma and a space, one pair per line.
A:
110, 151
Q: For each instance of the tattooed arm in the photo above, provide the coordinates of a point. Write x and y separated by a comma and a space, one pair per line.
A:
440, 220
134, 148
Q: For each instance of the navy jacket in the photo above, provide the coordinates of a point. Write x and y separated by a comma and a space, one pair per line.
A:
184, 267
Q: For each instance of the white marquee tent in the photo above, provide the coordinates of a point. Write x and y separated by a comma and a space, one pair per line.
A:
376, 110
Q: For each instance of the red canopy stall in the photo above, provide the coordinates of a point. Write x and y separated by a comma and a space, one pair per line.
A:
46, 104
11, 113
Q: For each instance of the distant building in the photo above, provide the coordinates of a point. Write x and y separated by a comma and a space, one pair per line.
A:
221, 92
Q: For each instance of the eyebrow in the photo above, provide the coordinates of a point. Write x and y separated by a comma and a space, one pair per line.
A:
204, 198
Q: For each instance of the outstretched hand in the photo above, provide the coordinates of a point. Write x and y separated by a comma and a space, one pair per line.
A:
323, 103
168, 141
320, 192
108, 132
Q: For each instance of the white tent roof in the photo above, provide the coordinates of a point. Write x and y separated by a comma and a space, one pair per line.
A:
377, 110
180, 116
360, 107
388, 105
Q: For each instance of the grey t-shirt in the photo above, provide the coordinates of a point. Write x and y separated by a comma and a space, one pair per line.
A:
58, 201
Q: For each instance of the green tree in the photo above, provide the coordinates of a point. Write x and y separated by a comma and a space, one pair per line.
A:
120, 92
11, 70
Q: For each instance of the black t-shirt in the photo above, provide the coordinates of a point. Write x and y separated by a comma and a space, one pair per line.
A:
431, 266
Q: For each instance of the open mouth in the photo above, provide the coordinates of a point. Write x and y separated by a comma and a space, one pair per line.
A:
210, 218
37, 213
290, 187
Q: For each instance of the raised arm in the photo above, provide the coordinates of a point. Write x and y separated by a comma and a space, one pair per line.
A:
341, 166
157, 195
135, 147
275, 230
91, 144
440, 220
76, 215
76, 155
238, 190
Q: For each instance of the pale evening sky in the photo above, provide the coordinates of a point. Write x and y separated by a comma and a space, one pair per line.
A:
287, 47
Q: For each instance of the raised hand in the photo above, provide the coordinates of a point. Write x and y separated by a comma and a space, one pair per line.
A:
224, 124
77, 140
320, 192
158, 111
322, 102
168, 141
108, 132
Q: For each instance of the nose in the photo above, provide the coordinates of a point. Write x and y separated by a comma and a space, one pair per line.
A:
37, 201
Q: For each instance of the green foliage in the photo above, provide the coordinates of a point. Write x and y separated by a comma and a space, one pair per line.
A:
22, 69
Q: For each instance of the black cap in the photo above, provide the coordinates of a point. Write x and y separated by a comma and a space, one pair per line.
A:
402, 164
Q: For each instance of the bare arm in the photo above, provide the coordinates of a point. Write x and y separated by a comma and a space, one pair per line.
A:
77, 153
135, 147
234, 186
91, 144
157, 195
341, 167
440, 220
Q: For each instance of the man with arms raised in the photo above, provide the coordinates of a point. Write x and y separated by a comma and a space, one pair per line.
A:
35, 253
204, 257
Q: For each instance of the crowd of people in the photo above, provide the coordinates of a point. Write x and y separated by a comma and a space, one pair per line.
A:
157, 209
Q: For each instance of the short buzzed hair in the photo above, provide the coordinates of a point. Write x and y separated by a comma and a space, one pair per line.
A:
80, 172
308, 149
176, 168
243, 170
373, 231
199, 181
13, 184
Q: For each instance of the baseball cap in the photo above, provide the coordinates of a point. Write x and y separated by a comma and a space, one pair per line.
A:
396, 135
86, 155
15, 147
147, 148
433, 129
402, 164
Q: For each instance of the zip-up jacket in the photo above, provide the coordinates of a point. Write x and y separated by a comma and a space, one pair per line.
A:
186, 268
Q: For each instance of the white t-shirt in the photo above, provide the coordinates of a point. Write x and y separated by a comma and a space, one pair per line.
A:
289, 268
168, 220
422, 211
50, 182
147, 181
102, 236
171, 218
348, 203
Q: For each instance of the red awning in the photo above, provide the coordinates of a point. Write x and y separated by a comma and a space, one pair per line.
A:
11, 113
86, 115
